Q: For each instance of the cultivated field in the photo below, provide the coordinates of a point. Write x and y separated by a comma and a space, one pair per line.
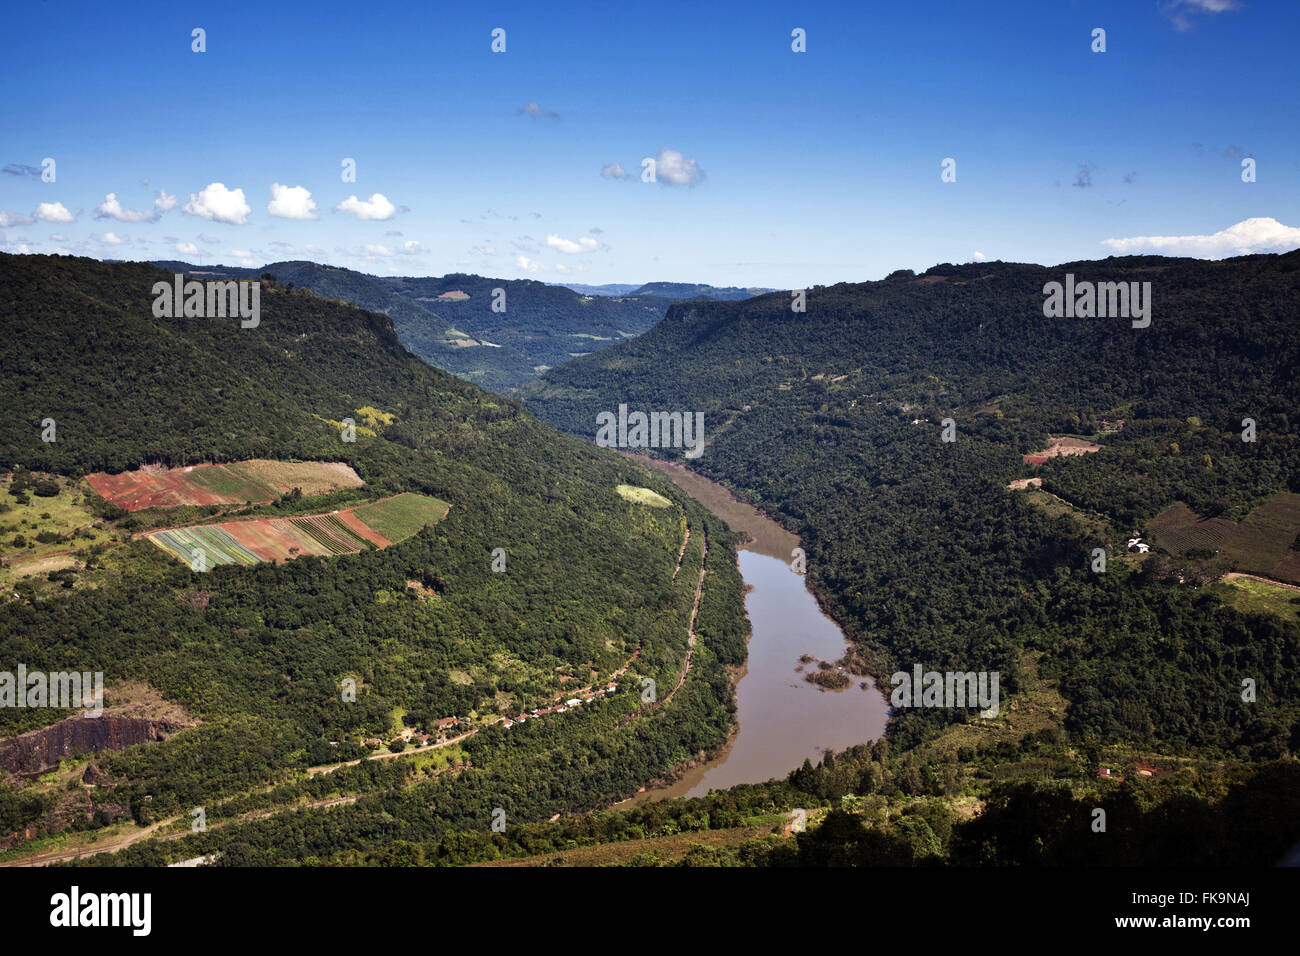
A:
259, 480
1261, 544
1179, 529
402, 515
348, 531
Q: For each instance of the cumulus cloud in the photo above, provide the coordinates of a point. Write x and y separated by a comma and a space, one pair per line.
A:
1261, 234
978, 256
375, 249
614, 171
291, 202
53, 212
187, 248
15, 219
411, 248
674, 169
164, 201
219, 204
376, 207
528, 265
571, 248
534, 110
110, 239
111, 208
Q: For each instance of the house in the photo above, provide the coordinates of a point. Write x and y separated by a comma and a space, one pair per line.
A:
573, 702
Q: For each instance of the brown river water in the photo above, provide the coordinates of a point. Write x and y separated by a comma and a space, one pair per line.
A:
782, 718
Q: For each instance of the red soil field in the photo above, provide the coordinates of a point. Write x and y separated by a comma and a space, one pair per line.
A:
359, 527
155, 486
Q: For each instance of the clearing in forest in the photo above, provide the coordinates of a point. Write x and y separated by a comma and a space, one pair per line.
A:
643, 496
347, 531
258, 480
1265, 543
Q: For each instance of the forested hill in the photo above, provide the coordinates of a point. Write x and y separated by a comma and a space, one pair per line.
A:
540, 580
449, 321
546, 323
834, 420
689, 290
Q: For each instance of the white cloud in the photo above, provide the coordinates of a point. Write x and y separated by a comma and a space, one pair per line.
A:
978, 256
247, 257
53, 212
374, 249
571, 248
528, 265
219, 204
110, 208
674, 169
376, 207
187, 248
15, 219
291, 202
1180, 12
163, 202
411, 247
110, 239
1261, 234
614, 171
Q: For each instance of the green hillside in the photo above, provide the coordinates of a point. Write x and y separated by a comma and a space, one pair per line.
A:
832, 420
260, 657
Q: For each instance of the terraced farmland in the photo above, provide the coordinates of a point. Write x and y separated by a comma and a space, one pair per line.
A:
348, 531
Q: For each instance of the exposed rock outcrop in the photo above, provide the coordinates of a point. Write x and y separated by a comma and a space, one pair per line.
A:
39, 750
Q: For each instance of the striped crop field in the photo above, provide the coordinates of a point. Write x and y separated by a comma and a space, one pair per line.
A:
212, 543
349, 531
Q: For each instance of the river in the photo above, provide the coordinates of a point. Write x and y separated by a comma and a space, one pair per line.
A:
782, 718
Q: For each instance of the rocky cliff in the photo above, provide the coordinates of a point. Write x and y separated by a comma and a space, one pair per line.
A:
39, 750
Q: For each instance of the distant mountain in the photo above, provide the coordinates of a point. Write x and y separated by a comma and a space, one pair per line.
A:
547, 324
689, 290
609, 288
449, 321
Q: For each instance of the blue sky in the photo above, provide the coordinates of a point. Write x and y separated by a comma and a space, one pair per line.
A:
778, 168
